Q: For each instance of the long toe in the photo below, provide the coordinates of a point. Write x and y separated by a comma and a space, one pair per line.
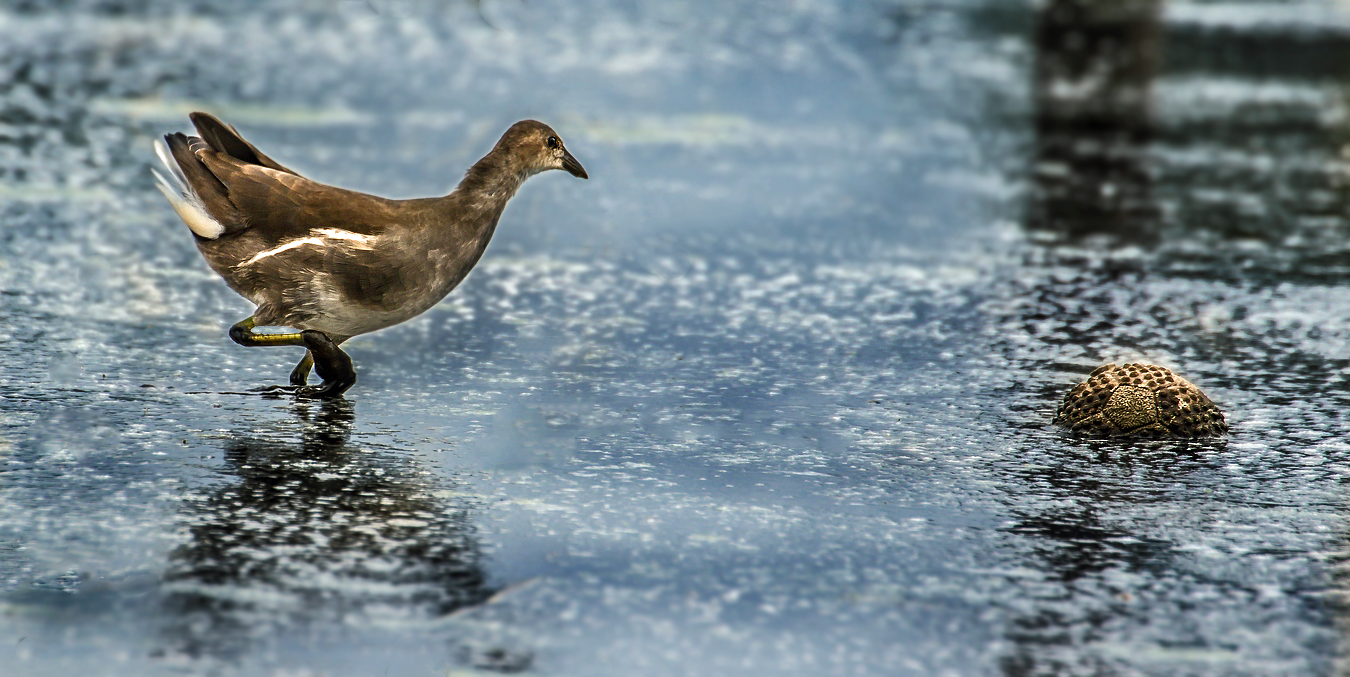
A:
273, 392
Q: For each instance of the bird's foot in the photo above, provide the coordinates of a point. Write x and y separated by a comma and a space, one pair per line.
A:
330, 363
324, 391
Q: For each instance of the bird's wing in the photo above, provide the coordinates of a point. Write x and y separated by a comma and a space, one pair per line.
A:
226, 139
243, 189
279, 205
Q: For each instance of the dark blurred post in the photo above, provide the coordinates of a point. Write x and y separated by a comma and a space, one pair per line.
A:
1095, 65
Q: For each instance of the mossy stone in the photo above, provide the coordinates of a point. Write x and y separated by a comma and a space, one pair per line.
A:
1139, 400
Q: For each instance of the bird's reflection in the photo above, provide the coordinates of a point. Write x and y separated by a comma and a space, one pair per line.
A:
314, 530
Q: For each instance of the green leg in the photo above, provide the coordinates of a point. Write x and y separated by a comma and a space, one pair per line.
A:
243, 334
327, 359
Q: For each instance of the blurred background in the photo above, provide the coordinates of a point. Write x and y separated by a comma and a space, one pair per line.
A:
769, 394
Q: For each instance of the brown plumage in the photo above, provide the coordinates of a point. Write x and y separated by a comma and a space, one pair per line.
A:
336, 262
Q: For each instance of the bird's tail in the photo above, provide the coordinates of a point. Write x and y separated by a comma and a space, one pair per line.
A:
179, 192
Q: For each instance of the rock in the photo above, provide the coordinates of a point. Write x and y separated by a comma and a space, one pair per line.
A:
1139, 400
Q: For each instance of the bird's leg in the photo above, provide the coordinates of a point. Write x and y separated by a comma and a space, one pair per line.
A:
330, 363
243, 334
300, 375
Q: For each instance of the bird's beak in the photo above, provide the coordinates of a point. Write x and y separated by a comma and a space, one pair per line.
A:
572, 166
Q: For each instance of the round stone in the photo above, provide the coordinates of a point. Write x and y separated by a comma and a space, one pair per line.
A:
1139, 400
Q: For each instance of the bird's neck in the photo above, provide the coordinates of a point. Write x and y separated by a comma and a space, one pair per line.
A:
491, 181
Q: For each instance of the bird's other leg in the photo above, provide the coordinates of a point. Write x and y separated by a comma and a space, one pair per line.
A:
300, 375
330, 363
243, 334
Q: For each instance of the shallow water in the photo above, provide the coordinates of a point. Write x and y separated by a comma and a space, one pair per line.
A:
769, 394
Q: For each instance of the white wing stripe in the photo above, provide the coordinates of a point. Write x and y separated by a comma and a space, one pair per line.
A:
336, 234
329, 234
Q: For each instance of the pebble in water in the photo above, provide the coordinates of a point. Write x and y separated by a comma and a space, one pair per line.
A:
1139, 400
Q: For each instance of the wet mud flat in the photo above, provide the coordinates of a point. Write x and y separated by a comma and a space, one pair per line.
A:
770, 395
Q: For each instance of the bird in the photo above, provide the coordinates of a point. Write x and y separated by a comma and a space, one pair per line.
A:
329, 263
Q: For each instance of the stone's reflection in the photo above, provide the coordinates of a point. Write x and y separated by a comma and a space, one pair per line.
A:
1074, 544
316, 531
1095, 63
1099, 570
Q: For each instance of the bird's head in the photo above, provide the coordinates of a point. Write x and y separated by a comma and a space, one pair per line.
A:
536, 147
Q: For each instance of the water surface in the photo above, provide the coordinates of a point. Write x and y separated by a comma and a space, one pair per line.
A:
769, 394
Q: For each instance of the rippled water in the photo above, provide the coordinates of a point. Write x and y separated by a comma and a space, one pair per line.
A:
769, 394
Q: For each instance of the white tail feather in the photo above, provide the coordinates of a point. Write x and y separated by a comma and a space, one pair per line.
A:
162, 150
185, 203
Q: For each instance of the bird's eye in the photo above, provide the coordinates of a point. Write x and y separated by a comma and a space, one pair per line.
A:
553, 142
